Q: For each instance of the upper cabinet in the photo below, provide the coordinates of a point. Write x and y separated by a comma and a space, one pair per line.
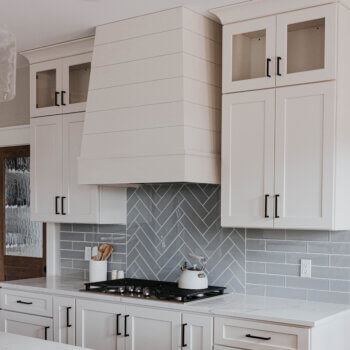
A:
287, 49
59, 78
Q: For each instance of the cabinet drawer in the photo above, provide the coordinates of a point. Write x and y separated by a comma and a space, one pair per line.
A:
30, 303
259, 336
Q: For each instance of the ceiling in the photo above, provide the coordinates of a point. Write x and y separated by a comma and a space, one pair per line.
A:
38, 23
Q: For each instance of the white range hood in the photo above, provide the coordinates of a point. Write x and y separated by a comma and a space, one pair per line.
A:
154, 103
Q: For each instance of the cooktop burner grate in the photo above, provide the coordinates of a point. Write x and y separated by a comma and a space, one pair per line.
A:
152, 289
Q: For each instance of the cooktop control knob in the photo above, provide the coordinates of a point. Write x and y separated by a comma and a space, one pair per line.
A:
146, 292
138, 290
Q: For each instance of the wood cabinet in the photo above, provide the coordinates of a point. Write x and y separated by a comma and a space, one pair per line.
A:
292, 48
100, 325
59, 86
278, 167
56, 195
197, 332
27, 325
149, 326
64, 320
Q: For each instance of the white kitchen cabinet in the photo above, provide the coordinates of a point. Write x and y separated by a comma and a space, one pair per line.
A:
304, 156
249, 55
147, 328
45, 168
27, 325
291, 48
248, 159
100, 325
197, 332
56, 195
64, 320
306, 48
278, 157
59, 86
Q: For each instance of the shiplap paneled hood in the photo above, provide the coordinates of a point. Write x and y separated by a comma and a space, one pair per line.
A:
154, 106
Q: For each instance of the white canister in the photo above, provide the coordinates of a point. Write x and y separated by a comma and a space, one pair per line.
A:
98, 271
120, 274
114, 274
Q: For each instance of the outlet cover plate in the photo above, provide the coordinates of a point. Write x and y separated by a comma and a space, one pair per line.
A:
305, 268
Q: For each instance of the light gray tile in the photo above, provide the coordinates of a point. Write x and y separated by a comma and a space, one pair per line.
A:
71, 236
340, 236
80, 264
256, 244
290, 293
66, 227
331, 273
255, 267
72, 254
340, 260
253, 289
307, 283
66, 263
283, 269
81, 245
266, 234
285, 246
329, 248
340, 286
264, 279
308, 235
84, 228
328, 297
66, 245
317, 259
111, 228
265, 256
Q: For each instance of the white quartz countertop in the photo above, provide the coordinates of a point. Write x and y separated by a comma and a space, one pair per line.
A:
10, 341
288, 311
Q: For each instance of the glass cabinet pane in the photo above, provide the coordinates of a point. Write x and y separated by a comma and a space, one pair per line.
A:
45, 88
79, 76
249, 55
306, 46
23, 237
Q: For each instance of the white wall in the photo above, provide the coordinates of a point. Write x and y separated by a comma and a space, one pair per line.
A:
16, 112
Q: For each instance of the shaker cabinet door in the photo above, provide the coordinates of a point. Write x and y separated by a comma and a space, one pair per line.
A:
248, 159
306, 45
249, 55
305, 146
46, 168
80, 203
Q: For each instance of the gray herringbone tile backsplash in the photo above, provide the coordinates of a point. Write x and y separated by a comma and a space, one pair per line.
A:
166, 222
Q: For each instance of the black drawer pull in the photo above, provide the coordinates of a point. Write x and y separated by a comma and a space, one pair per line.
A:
183, 344
279, 59
126, 334
68, 322
256, 337
56, 205
118, 315
56, 98
62, 98
62, 206
276, 206
268, 61
46, 328
266, 199
24, 302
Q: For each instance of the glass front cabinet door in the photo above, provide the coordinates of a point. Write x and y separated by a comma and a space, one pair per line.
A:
306, 45
249, 55
46, 83
76, 76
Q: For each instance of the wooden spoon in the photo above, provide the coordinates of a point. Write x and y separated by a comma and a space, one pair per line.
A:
107, 253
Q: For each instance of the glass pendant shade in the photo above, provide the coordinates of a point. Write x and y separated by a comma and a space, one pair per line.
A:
8, 58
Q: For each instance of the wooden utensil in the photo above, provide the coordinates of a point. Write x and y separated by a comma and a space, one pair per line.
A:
108, 252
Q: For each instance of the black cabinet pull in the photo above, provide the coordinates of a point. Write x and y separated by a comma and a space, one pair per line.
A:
266, 198
68, 323
268, 61
62, 98
46, 328
62, 206
183, 344
24, 302
56, 205
118, 315
126, 326
56, 98
276, 206
279, 59
256, 337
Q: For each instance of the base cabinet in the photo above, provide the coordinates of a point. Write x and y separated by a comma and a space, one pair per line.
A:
64, 320
197, 332
100, 326
27, 325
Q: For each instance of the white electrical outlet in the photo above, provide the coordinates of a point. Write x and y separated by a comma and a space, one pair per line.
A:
94, 251
87, 253
305, 268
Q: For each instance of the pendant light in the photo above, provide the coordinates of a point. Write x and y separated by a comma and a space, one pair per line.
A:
8, 58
